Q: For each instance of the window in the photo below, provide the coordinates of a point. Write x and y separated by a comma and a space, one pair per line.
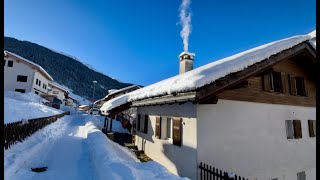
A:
293, 128
10, 63
297, 86
20, 90
312, 128
36, 92
301, 176
274, 82
21, 78
55, 92
4, 63
44, 86
37, 81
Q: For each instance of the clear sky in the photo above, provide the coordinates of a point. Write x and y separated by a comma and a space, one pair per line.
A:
138, 41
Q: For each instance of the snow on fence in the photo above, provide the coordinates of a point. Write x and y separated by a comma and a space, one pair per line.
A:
208, 172
18, 131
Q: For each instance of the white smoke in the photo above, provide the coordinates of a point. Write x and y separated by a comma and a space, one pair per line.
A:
185, 20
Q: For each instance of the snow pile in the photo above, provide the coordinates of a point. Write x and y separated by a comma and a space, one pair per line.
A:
207, 74
72, 110
116, 125
18, 106
313, 40
81, 100
116, 162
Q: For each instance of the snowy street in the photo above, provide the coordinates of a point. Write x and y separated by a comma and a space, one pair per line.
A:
74, 148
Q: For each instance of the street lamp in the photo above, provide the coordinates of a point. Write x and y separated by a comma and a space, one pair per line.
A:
94, 83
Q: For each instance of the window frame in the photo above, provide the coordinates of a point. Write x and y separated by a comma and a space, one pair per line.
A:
24, 78
20, 90
295, 127
10, 62
268, 81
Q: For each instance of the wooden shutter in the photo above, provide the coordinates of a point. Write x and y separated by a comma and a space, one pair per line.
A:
177, 131
292, 84
158, 127
289, 128
311, 128
145, 130
138, 123
267, 82
297, 129
303, 87
283, 83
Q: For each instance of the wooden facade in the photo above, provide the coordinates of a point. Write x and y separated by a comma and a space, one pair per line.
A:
253, 89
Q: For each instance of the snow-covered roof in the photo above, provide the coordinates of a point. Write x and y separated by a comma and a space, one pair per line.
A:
30, 63
188, 53
120, 90
58, 86
208, 73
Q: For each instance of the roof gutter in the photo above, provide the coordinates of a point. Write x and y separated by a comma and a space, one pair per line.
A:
179, 98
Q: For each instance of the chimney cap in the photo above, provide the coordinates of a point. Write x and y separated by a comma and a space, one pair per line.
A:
188, 53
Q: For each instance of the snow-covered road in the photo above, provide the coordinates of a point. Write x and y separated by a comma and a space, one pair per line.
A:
75, 148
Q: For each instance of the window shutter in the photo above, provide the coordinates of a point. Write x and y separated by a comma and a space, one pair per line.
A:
304, 92
158, 127
292, 82
283, 83
267, 82
311, 128
145, 130
289, 128
297, 129
177, 131
138, 123
315, 128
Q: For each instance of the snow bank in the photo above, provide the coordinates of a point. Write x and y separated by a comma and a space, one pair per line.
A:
18, 106
207, 74
112, 161
37, 147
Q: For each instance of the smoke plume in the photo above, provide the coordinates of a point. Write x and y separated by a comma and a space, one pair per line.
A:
185, 20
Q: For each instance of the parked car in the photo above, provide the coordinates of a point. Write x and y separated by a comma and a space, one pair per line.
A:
94, 111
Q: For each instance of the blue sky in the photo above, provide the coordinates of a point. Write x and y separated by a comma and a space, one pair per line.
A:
139, 41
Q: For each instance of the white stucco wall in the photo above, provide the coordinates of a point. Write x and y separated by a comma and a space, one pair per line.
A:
182, 160
250, 139
11, 73
60, 94
43, 80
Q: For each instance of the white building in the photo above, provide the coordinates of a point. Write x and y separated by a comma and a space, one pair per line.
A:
58, 90
22, 75
253, 113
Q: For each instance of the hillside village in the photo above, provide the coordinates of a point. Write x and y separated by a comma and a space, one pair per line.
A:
178, 122
247, 114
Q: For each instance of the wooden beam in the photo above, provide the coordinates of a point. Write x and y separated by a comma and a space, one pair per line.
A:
223, 83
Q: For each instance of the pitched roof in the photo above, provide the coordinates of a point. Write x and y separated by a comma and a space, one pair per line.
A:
58, 86
211, 72
45, 73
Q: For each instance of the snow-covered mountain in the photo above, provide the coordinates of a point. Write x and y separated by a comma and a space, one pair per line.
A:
65, 69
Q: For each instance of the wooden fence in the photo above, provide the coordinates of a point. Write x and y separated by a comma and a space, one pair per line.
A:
210, 173
17, 131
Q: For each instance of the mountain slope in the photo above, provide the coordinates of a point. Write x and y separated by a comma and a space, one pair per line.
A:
64, 69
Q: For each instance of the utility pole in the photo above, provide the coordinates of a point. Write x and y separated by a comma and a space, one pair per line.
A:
94, 83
